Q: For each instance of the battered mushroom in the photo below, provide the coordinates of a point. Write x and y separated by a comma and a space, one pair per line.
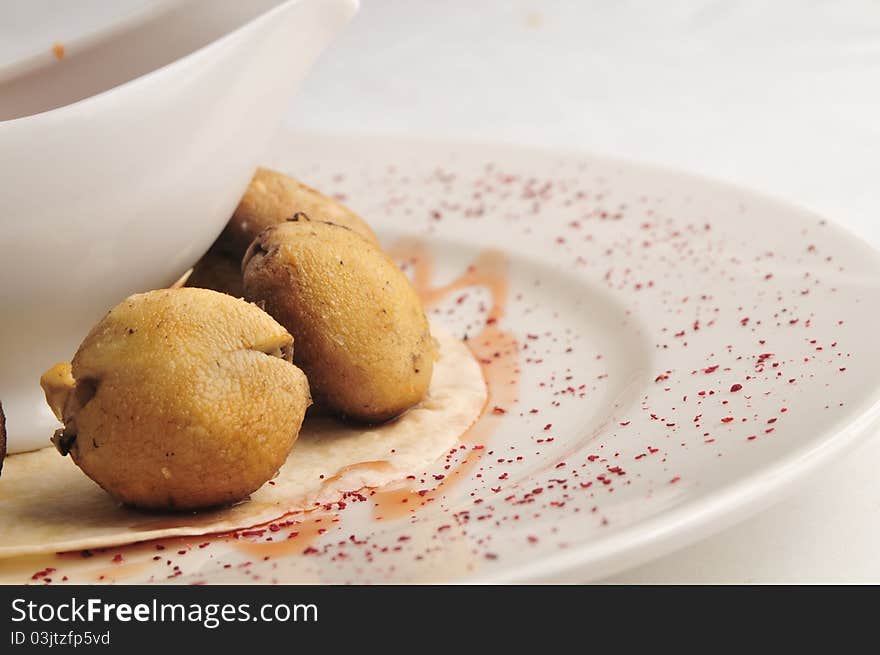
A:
272, 198
219, 271
180, 399
362, 336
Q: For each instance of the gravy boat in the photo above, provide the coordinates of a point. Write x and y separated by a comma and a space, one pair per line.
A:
121, 162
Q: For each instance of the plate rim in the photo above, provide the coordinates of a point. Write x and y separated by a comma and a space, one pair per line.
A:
693, 520
647, 166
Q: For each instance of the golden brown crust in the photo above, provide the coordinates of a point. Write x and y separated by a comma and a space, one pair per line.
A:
180, 399
218, 271
57, 383
362, 335
272, 198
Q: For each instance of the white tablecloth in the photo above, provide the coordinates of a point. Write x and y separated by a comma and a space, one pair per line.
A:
783, 97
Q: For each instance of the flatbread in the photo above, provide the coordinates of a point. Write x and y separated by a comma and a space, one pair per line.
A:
48, 505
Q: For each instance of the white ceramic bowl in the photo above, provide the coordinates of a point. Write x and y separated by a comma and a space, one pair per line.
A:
122, 162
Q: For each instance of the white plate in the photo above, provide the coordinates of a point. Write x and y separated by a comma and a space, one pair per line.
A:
685, 351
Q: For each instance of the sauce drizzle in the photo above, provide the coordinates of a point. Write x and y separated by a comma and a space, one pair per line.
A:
496, 349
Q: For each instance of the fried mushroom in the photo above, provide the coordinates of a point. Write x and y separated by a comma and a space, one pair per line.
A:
362, 336
180, 399
272, 198
218, 271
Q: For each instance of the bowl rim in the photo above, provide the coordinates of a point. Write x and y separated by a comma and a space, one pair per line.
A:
187, 59
34, 59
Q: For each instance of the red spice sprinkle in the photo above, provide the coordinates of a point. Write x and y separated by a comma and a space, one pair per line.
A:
710, 369
674, 480
735, 388
499, 410
117, 558
624, 423
548, 426
43, 573
727, 419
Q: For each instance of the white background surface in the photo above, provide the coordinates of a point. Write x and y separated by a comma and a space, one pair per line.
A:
783, 97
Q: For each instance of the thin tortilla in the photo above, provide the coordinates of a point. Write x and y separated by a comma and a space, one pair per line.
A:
48, 505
